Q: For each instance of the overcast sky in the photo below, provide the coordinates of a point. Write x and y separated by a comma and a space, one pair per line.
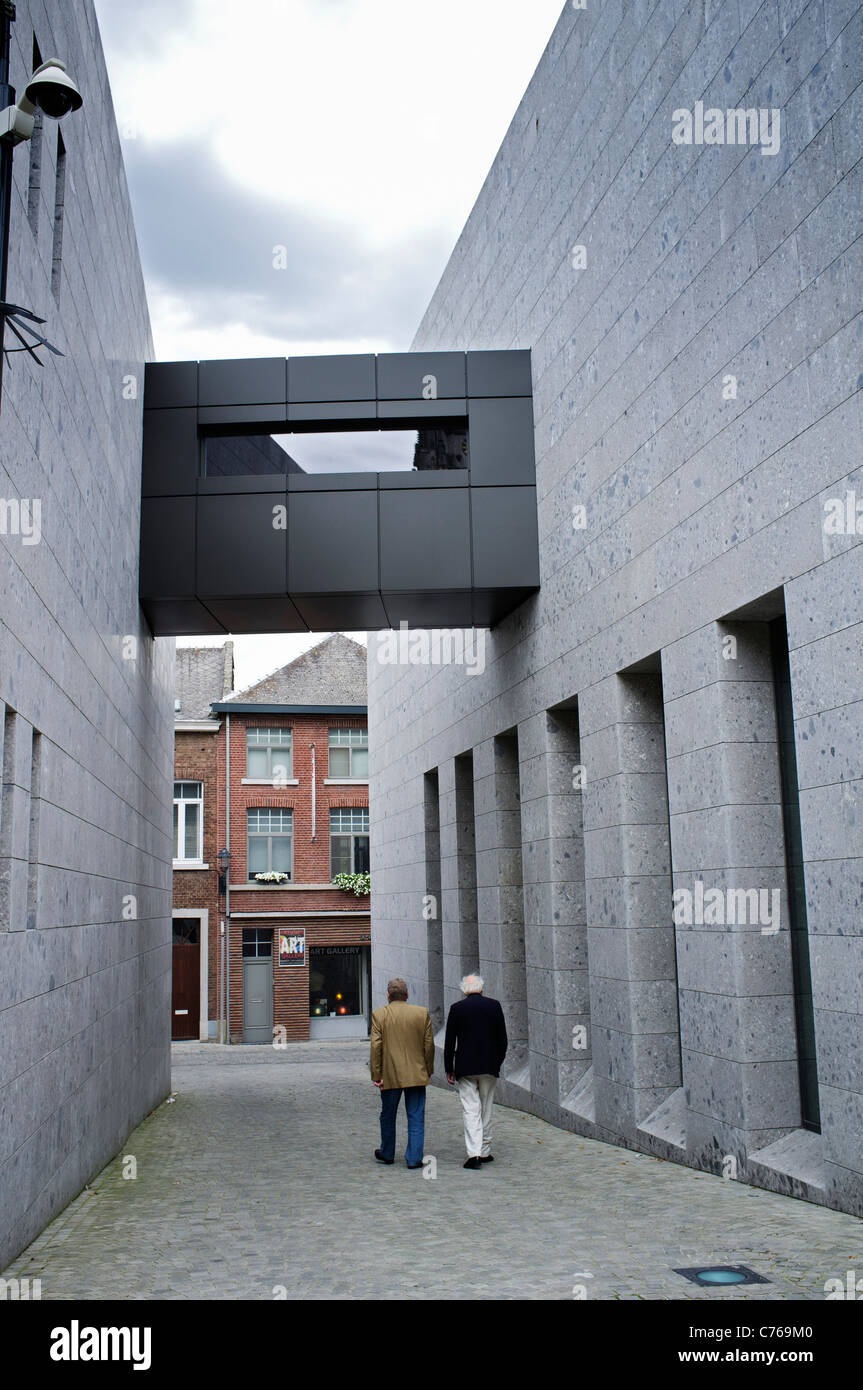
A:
355, 134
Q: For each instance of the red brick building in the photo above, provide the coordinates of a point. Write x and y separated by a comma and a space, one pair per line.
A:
202, 675
291, 803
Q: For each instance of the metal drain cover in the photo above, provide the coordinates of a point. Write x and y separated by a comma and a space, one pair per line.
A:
721, 1276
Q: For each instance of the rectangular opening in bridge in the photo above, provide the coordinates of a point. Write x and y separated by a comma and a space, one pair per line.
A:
443, 445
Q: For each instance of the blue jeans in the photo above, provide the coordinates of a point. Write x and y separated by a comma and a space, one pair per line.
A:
415, 1108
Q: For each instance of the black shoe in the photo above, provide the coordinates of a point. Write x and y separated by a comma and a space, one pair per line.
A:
380, 1158
487, 1158
473, 1163
415, 1165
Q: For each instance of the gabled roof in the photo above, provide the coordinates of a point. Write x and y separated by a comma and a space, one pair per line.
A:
333, 673
202, 676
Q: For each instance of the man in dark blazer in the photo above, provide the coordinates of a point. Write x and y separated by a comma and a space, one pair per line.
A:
474, 1049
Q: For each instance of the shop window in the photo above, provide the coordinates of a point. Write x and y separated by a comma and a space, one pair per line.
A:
349, 841
336, 981
349, 753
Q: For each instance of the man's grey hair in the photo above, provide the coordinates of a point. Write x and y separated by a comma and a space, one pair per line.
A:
397, 988
472, 984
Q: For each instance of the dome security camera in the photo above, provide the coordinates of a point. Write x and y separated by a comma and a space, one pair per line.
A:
52, 90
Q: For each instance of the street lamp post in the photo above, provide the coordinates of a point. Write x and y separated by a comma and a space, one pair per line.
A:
223, 859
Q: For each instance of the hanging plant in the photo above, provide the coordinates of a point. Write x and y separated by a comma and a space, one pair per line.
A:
358, 884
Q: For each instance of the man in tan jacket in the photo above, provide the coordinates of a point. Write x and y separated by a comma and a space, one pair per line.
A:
402, 1059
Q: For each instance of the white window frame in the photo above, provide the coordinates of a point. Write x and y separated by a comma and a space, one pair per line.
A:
353, 740
181, 802
269, 836
350, 834
285, 738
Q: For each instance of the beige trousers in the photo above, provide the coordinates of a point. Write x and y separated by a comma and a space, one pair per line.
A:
476, 1094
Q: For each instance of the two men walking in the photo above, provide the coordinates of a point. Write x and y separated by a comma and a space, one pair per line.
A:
402, 1060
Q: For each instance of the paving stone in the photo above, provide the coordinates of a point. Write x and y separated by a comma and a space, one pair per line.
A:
261, 1176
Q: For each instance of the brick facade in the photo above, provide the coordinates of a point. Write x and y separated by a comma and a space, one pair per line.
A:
291, 982
203, 757
309, 893
196, 760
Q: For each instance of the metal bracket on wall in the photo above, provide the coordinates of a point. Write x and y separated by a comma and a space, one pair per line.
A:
14, 315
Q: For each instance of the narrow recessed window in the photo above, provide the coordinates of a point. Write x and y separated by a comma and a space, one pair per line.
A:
10, 730
59, 204
34, 182
431, 905
33, 840
798, 922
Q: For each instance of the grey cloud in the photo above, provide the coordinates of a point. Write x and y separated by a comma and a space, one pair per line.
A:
208, 240
128, 26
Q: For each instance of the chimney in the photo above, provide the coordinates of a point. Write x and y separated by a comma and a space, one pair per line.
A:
228, 670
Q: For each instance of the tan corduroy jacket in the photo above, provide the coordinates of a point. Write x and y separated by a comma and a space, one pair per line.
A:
402, 1050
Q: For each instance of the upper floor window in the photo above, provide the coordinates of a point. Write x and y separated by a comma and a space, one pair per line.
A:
349, 840
188, 822
349, 753
270, 841
269, 754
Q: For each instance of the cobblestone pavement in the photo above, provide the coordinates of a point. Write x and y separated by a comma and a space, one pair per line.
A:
259, 1181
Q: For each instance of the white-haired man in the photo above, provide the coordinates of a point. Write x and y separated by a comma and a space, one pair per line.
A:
474, 1049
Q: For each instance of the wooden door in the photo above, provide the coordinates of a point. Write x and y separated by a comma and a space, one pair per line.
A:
186, 979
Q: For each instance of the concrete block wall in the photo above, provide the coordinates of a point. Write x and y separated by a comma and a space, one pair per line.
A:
86, 694
693, 312
736, 980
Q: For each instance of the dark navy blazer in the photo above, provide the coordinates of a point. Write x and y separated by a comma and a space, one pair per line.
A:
476, 1040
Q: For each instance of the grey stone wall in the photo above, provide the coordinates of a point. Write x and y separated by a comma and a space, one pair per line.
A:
693, 312
85, 693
